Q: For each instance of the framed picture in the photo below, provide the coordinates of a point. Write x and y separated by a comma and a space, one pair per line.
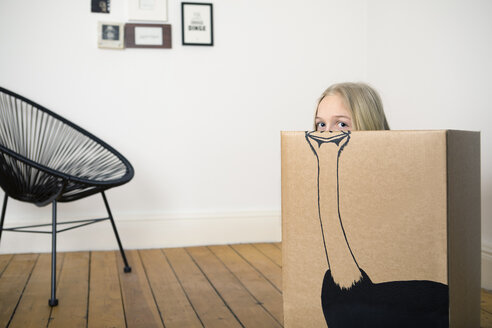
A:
110, 35
147, 10
100, 6
197, 24
148, 36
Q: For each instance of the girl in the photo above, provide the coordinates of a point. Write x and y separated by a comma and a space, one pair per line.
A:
350, 106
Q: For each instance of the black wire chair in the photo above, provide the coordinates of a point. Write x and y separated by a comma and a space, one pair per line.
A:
46, 159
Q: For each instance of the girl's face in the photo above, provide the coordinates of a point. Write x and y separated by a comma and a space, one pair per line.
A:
333, 115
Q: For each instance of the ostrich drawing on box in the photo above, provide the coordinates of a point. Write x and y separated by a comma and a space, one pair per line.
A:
348, 296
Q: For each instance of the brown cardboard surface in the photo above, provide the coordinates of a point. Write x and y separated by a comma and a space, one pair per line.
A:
385, 213
464, 227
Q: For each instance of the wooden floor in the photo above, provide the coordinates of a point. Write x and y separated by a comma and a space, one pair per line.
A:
215, 286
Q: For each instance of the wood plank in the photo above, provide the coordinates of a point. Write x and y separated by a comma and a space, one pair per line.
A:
33, 309
485, 319
257, 285
170, 297
247, 309
4, 261
271, 271
138, 301
13, 282
486, 303
72, 292
270, 251
105, 300
209, 306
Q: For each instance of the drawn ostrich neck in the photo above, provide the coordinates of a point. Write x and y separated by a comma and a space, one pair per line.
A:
344, 269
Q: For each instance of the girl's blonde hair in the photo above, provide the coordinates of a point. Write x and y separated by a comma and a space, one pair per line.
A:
363, 102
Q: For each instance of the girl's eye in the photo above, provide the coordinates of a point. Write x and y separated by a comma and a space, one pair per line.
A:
342, 125
321, 126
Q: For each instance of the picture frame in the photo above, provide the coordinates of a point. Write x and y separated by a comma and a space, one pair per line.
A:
101, 6
111, 35
197, 24
148, 36
147, 10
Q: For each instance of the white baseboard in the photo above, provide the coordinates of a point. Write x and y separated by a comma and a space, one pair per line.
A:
487, 266
156, 231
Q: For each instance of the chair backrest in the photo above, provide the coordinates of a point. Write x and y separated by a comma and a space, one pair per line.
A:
41, 152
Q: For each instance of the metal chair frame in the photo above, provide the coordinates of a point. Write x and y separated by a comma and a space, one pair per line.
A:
90, 166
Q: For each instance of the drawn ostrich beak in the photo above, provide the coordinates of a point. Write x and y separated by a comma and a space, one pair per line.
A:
320, 138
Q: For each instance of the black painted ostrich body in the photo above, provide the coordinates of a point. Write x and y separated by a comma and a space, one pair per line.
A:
357, 301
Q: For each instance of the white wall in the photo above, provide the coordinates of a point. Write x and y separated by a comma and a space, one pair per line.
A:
201, 124
431, 60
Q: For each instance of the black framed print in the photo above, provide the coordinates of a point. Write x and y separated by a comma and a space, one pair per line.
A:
197, 24
100, 6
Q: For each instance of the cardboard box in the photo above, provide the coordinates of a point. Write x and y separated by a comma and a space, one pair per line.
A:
381, 229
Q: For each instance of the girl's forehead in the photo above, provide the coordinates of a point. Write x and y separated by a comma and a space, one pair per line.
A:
332, 105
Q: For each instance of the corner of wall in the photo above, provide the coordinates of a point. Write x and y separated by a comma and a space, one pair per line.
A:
487, 266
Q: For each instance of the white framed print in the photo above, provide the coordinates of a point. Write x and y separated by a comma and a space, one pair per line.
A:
111, 35
147, 10
197, 24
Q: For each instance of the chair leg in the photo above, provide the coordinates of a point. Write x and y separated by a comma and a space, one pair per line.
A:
4, 208
127, 267
53, 300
